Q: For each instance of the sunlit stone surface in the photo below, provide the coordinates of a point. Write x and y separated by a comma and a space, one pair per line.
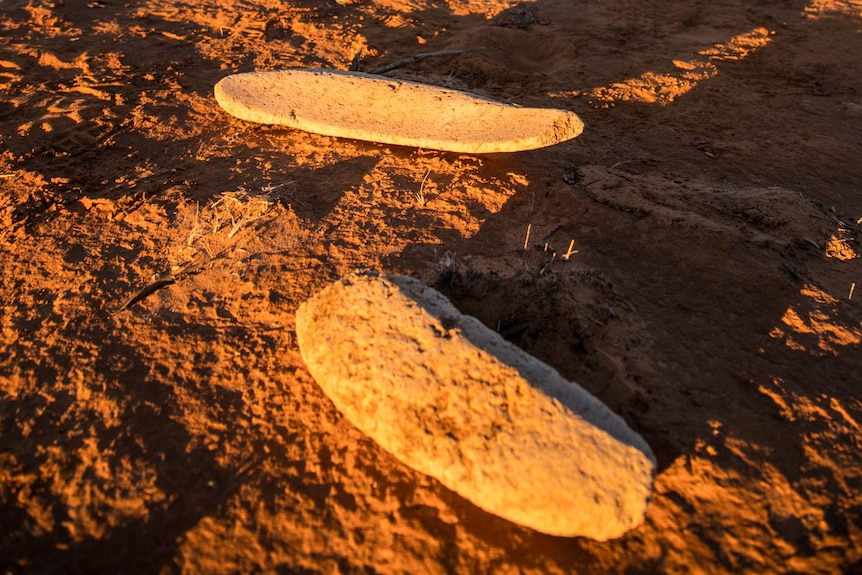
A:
452, 399
385, 110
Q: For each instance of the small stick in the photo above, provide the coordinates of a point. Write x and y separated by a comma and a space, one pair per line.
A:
527, 239
552, 232
592, 319
420, 195
166, 280
147, 290
422, 185
569, 253
417, 57
4, 176
852, 289
357, 62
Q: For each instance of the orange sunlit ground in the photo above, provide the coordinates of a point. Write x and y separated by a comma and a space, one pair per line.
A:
693, 261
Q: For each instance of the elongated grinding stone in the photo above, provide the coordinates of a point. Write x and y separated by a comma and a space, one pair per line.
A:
386, 110
454, 400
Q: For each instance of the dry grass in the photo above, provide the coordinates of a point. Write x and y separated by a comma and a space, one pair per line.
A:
421, 200
228, 215
216, 231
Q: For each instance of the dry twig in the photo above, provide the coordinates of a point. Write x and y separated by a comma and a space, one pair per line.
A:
233, 212
163, 281
417, 57
420, 195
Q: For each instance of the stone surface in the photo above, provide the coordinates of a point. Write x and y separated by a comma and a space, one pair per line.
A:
452, 399
379, 109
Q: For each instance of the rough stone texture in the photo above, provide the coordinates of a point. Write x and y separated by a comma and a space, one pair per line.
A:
452, 399
379, 109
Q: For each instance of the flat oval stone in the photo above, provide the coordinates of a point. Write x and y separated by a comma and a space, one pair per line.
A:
380, 109
452, 399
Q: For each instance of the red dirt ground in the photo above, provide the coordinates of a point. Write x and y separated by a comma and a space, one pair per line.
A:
714, 201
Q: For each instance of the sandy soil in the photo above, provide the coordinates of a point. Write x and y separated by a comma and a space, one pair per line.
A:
156, 414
